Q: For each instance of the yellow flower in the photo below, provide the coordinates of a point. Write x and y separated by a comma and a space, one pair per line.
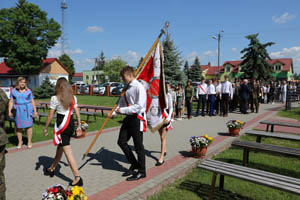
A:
75, 190
206, 136
71, 198
81, 190
210, 138
85, 198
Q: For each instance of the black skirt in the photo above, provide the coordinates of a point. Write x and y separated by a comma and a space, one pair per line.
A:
68, 132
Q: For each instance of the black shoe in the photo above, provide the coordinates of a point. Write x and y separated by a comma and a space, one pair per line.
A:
165, 153
159, 163
129, 172
48, 172
79, 183
136, 177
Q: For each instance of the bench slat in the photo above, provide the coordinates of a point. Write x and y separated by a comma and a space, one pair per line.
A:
259, 179
267, 148
274, 135
250, 171
255, 171
280, 124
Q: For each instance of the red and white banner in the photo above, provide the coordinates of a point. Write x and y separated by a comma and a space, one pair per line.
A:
152, 77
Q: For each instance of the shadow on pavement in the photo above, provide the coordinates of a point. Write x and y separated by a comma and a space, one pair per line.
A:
224, 134
45, 162
203, 191
186, 154
107, 159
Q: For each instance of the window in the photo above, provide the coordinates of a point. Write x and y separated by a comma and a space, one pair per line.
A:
277, 67
228, 69
87, 77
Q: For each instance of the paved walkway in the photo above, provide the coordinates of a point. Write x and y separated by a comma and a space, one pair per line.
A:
104, 165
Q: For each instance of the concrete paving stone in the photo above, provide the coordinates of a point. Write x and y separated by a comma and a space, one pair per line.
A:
104, 165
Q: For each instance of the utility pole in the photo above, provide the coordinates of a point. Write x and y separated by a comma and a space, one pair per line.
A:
63, 36
218, 37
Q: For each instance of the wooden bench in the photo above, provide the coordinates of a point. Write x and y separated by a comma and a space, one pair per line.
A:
40, 107
272, 124
95, 108
260, 134
10, 120
45, 105
40, 115
88, 114
285, 183
267, 148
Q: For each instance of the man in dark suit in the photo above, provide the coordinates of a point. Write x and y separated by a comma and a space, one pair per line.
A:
244, 94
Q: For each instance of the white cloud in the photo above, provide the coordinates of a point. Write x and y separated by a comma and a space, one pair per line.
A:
76, 51
94, 29
283, 18
84, 64
203, 57
292, 52
234, 49
55, 52
131, 57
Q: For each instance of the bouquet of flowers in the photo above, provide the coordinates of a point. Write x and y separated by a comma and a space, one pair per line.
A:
200, 141
235, 124
56, 192
59, 192
84, 125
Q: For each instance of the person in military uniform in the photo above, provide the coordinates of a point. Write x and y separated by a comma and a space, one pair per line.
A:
3, 141
255, 94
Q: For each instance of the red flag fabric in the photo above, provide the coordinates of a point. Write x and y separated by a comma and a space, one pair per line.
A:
152, 77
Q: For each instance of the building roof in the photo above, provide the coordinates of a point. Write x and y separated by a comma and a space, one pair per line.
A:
212, 70
4, 69
286, 62
78, 75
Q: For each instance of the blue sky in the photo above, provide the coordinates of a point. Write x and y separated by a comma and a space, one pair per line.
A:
129, 28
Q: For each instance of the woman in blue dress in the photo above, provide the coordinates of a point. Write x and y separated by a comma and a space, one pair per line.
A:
21, 99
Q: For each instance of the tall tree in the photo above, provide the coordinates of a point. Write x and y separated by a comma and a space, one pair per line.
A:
172, 62
196, 71
100, 62
140, 61
26, 35
186, 69
254, 64
112, 69
69, 64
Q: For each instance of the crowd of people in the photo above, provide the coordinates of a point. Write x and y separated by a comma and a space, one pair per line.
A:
214, 97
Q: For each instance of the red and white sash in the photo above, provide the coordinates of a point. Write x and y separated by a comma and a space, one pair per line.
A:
139, 116
202, 89
64, 124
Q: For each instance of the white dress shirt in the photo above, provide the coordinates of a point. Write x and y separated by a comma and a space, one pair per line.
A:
201, 91
211, 89
226, 88
218, 88
56, 105
169, 106
136, 99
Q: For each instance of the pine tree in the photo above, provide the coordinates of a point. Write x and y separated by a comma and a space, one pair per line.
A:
46, 90
186, 70
172, 62
196, 71
100, 62
254, 64
26, 35
140, 61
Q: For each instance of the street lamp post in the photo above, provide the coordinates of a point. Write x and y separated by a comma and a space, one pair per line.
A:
218, 38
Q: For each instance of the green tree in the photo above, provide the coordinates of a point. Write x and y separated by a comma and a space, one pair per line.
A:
46, 90
296, 76
69, 64
112, 69
140, 61
196, 71
254, 64
172, 62
186, 69
26, 35
100, 62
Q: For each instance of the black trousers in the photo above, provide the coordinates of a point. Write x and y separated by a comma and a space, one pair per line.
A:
201, 100
225, 103
218, 105
131, 128
244, 105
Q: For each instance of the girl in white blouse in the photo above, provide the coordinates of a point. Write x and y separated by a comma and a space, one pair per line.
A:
63, 103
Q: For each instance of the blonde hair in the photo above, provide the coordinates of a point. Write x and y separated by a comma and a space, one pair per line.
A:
64, 92
18, 82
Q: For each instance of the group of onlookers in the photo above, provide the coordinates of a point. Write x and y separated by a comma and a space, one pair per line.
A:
214, 97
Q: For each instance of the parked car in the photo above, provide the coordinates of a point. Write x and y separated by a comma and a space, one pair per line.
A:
118, 90
85, 89
112, 85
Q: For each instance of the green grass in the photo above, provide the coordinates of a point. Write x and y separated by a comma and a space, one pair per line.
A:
91, 100
88, 100
293, 113
196, 184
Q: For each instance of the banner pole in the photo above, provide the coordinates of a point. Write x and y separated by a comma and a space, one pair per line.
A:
115, 106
